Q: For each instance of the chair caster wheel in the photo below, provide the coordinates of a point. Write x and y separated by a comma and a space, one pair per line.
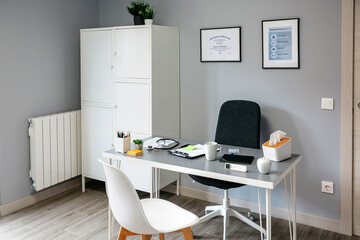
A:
251, 217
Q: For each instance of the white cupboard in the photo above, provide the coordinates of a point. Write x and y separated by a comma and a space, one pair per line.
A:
96, 99
129, 82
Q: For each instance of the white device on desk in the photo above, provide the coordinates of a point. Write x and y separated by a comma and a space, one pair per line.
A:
236, 167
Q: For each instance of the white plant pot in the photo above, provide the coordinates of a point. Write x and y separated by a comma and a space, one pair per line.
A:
148, 21
139, 146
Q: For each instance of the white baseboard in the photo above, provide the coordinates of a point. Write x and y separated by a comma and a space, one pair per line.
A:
39, 196
303, 218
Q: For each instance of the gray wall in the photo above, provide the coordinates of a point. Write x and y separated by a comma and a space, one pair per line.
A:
289, 99
39, 74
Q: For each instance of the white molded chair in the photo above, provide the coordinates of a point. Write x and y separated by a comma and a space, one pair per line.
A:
144, 217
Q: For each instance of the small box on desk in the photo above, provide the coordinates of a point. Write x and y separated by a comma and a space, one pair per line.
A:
122, 145
279, 151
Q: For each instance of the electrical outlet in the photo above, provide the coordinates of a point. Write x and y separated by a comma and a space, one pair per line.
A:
327, 187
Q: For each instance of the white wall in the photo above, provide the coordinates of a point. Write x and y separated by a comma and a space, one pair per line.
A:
39, 75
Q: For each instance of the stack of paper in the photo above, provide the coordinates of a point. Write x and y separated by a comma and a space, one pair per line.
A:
135, 152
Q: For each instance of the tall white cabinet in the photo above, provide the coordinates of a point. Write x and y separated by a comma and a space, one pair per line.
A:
96, 98
130, 82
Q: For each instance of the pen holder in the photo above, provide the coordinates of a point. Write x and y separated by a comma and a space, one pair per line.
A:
122, 145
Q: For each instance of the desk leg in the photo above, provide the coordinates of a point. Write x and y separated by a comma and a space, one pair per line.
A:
158, 186
293, 198
268, 214
153, 182
110, 216
178, 185
157, 183
111, 223
155, 193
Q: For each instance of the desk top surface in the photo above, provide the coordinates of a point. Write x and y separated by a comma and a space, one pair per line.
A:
214, 169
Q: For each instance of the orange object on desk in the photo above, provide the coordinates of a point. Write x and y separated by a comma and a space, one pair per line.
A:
282, 141
135, 152
279, 151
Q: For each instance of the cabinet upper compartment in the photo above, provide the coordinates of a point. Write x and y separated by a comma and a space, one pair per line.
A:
132, 54
146, 54
96, 85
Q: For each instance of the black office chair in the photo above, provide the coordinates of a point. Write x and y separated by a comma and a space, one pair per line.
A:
238, 125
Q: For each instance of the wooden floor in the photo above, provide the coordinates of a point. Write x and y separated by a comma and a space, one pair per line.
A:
77, 215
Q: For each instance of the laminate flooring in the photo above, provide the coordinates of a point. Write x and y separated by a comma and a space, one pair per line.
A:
83, 216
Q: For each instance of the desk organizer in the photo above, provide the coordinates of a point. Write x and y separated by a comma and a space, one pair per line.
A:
122, 145
279, 151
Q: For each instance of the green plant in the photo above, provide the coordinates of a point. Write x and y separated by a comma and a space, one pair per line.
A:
149, 13
138, 141
137, 8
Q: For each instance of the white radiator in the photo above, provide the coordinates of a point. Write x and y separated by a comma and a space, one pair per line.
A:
55, 148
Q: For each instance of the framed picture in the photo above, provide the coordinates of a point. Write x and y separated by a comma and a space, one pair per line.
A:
280, 44
220, 44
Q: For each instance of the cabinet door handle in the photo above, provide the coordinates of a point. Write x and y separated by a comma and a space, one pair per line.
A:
112, 67
115, 106
359, 105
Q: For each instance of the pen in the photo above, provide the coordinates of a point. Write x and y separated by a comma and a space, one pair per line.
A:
122, 134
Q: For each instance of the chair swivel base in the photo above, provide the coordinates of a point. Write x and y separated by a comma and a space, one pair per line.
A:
227, 212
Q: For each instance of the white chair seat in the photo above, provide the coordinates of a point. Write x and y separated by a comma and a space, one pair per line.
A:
167, 217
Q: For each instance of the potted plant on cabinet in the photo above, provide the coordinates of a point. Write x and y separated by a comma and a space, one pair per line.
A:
136, 9
138, 144
149, 15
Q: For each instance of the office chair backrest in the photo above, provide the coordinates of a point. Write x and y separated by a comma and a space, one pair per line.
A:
239, 124
124, 201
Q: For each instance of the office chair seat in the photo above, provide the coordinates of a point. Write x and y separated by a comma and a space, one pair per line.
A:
215, 183
165, 216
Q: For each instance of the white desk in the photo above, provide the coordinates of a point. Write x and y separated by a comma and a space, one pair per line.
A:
160, 159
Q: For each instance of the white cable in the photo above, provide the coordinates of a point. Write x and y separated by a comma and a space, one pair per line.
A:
287, 202
262, 238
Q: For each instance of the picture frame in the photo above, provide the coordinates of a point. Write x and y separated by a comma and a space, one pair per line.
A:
220, 44
280, 44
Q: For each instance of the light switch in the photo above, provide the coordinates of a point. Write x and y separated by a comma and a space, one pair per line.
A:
327, 103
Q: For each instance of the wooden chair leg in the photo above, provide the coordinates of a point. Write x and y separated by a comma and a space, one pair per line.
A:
161, 236
187, 233
123, 233
145, 237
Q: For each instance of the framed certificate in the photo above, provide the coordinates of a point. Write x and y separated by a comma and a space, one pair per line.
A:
280, 44
220, 44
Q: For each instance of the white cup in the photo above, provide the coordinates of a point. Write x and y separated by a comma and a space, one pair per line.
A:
264, 165
211, 150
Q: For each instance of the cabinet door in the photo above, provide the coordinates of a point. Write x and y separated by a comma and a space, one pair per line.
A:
96, 66
139, 175
96, 138
132, 53
133, 107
